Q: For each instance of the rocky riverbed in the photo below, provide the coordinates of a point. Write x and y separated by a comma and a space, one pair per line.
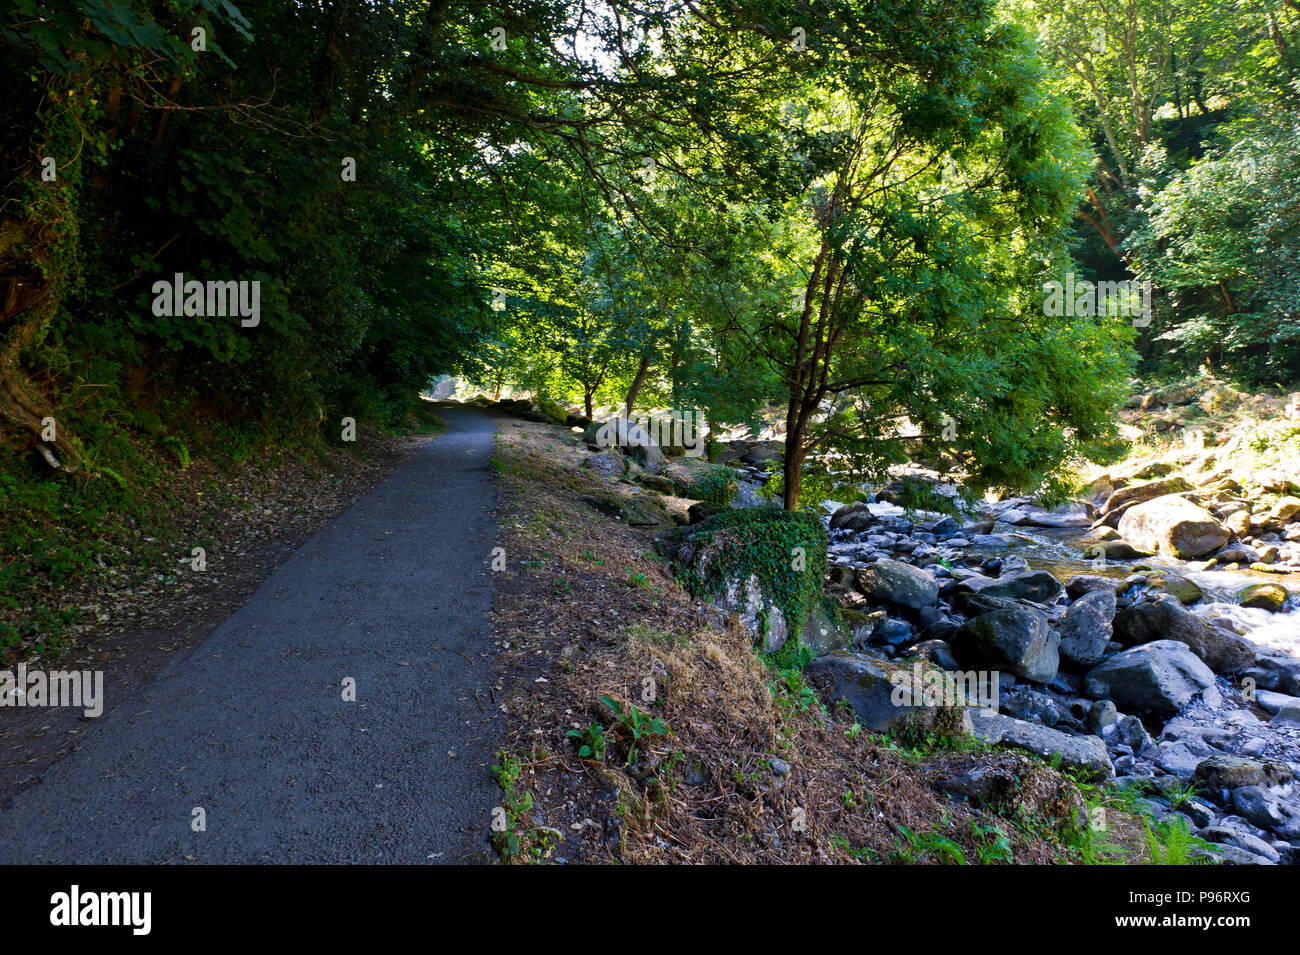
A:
1169, 674
1146, 635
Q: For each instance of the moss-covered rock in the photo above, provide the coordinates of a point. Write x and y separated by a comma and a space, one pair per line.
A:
633, 511
1265, 596
1016, 787
553, 411
711, 483
783, 553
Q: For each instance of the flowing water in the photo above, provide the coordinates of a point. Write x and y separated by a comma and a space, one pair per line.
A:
1060, 552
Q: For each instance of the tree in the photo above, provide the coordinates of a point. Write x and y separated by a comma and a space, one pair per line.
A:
927, 200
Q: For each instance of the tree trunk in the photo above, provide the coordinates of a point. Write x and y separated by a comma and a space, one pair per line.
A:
637, 382
792, 471
796, 428
31, 286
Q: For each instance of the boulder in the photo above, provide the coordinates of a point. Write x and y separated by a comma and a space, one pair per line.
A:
1232, 772
1138, 493
1238, 522
1229, 838
893, 582
1262, 808
854, 517
1116, 549
1013, 785
1285, 509
1036, 585
636, 511
1224, 854
1187, 591
629, 438
1287, 715
703, 510
884, 695
758, 612
1086, 628
1264, 596
1173, 526
937, 652
1218, 398
1012, 637
763, 452
1085, 754
1275, 670
862, 624
1162, 617
655, 482
1076, 587
553, 411
607, 463
1159, 678
821, 635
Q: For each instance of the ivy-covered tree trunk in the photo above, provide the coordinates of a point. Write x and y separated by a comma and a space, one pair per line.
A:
32, 279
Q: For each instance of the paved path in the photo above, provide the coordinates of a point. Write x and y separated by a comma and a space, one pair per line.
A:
252, 727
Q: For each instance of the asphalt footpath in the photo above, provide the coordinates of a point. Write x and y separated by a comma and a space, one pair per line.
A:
247, 750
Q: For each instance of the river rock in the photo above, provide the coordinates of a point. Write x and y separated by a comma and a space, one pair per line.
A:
1224, 854
1269, 597
1076, 587
1073, 514
1173, 526
1130, 732
1239, 840
937, 652
1287, 715
1233, 772
1262, 808
1087, 754
1010, 637
1008, 783
1187, 591
1275, 670
1086, 628
1162, 617
1158, 678
892, 581
854, 517
1139, 493
1285, 509
1115, 549
1238, 522
882, 694
1036, 585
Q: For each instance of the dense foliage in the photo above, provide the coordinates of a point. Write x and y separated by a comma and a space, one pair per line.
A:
842, 210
